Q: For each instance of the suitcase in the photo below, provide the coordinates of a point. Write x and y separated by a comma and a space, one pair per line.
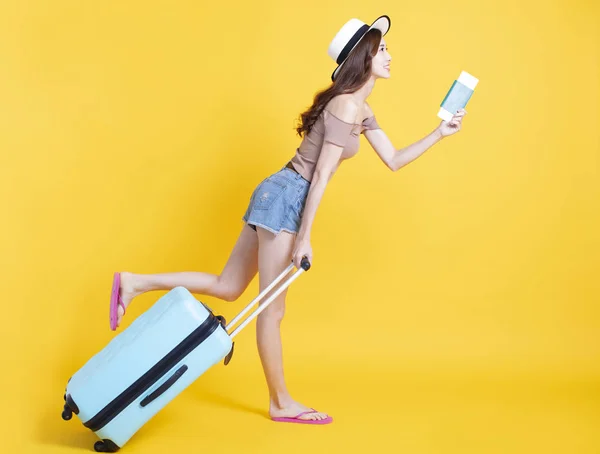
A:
151, 362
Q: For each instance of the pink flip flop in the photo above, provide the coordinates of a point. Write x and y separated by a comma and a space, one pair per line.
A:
296, 419
115, 301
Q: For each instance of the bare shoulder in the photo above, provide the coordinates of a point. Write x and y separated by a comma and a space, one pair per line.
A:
368, 112
344, 107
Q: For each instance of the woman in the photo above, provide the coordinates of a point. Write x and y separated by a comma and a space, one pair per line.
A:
282, 208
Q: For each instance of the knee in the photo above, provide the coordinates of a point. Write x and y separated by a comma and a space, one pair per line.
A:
231, 294
228, 291
274, 313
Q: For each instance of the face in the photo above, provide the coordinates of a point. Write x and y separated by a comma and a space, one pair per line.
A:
381, 62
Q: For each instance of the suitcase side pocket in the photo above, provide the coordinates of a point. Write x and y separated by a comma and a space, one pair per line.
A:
162, 388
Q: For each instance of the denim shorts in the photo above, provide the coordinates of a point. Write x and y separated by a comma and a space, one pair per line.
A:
278, 202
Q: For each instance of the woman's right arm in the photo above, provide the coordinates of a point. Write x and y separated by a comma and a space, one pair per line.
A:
331, 151
330, 155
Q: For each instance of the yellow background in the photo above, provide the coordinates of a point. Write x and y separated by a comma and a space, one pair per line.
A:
452, 306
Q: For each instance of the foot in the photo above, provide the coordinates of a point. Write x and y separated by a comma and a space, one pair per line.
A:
128, 290
295, 410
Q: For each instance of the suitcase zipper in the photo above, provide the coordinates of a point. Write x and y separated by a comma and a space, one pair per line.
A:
141, 385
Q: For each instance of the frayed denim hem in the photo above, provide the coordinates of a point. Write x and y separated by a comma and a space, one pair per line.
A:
266, 227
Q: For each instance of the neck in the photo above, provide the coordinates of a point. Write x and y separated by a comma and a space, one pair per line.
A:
363, 92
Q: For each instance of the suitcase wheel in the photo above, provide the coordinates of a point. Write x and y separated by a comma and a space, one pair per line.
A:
105, 446
67, 413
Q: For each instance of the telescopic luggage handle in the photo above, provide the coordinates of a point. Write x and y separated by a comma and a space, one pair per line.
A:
304, 266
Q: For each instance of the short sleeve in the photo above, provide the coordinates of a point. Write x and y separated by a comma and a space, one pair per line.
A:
370, 123
336, 130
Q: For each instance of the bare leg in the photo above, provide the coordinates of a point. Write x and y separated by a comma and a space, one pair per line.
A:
240, 269
274, 255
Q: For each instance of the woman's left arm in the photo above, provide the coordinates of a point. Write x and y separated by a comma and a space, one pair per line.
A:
396, 159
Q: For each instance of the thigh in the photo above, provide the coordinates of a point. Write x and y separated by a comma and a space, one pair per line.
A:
242, 265
274, 256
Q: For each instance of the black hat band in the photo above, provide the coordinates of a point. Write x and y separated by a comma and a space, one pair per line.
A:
350, 45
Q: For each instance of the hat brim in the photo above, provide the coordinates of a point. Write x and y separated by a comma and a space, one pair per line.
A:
382, 23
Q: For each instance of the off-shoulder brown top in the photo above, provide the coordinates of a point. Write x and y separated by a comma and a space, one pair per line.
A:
329, 128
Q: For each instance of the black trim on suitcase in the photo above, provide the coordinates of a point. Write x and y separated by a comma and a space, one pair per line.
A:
72, 405
141, 385
229, 355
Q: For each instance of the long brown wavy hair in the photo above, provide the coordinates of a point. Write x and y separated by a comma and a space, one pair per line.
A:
353, 74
